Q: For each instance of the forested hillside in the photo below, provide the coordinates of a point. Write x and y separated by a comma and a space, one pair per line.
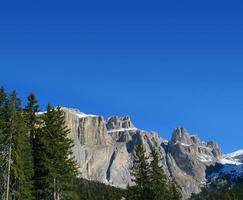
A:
221, 189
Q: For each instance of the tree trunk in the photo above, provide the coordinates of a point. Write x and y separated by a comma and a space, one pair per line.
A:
54, 189
8, 173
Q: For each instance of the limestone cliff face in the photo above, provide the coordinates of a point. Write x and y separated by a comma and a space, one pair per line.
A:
104, 151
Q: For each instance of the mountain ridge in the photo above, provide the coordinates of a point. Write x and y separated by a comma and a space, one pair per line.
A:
104, 150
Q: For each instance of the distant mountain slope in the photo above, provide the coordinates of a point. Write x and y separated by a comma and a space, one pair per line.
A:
237, 156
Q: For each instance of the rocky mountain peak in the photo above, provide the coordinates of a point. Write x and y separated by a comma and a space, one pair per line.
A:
181, 135
116, 122
104, 150
216, 151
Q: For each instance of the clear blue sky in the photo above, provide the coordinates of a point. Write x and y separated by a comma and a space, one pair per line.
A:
164, 63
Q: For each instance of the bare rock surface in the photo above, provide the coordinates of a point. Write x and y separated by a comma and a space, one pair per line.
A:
104, 151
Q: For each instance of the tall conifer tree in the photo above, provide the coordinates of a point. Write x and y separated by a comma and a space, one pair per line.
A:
34, 127
17, 158
57, 170
174, 192
32, 119
160, 190
140, 172
2, 145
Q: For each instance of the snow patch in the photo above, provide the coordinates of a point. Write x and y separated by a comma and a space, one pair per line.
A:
40, 113
183, 144
205, 158
78, 113
122, 130
229, 161
82, 115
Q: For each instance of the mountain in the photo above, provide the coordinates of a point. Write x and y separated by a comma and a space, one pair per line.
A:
229, 168
235, 156
104, 150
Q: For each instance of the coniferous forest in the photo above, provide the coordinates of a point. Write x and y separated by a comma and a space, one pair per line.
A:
35, 152
36, 161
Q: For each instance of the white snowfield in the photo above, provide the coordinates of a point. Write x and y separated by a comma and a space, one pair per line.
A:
122, 130
231, 158
234, 154
231, 166
205, 158
225, 161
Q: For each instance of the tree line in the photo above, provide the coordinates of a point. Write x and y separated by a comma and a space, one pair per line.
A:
35, 161
222, 190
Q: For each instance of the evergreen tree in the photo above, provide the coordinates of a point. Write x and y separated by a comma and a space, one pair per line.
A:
34, 126
174, 192
140, 172
2, 147
16, 151
56, 170
228, 196
32, 120
160, 190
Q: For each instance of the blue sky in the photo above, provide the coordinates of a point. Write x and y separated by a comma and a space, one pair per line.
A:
164, 63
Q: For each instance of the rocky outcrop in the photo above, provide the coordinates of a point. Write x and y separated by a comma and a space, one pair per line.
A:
104, 151
192, 156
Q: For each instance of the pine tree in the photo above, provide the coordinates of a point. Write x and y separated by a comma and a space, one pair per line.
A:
140, 172
229, 195
2, 144
33, 122
16, 151
160, 190
174, 192
56, 170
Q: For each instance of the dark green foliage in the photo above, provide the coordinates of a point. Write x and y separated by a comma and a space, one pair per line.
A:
160, 190
15, 151
91, 190
224, 192
174, 192
2, 147
55, 169
32, 119
33, 122
140, 171
35, 151
149, 178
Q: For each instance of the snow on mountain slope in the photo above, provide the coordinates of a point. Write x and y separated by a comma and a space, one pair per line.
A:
234, 158
78, 113
230, 165
228, 171
234, 154
226, 161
